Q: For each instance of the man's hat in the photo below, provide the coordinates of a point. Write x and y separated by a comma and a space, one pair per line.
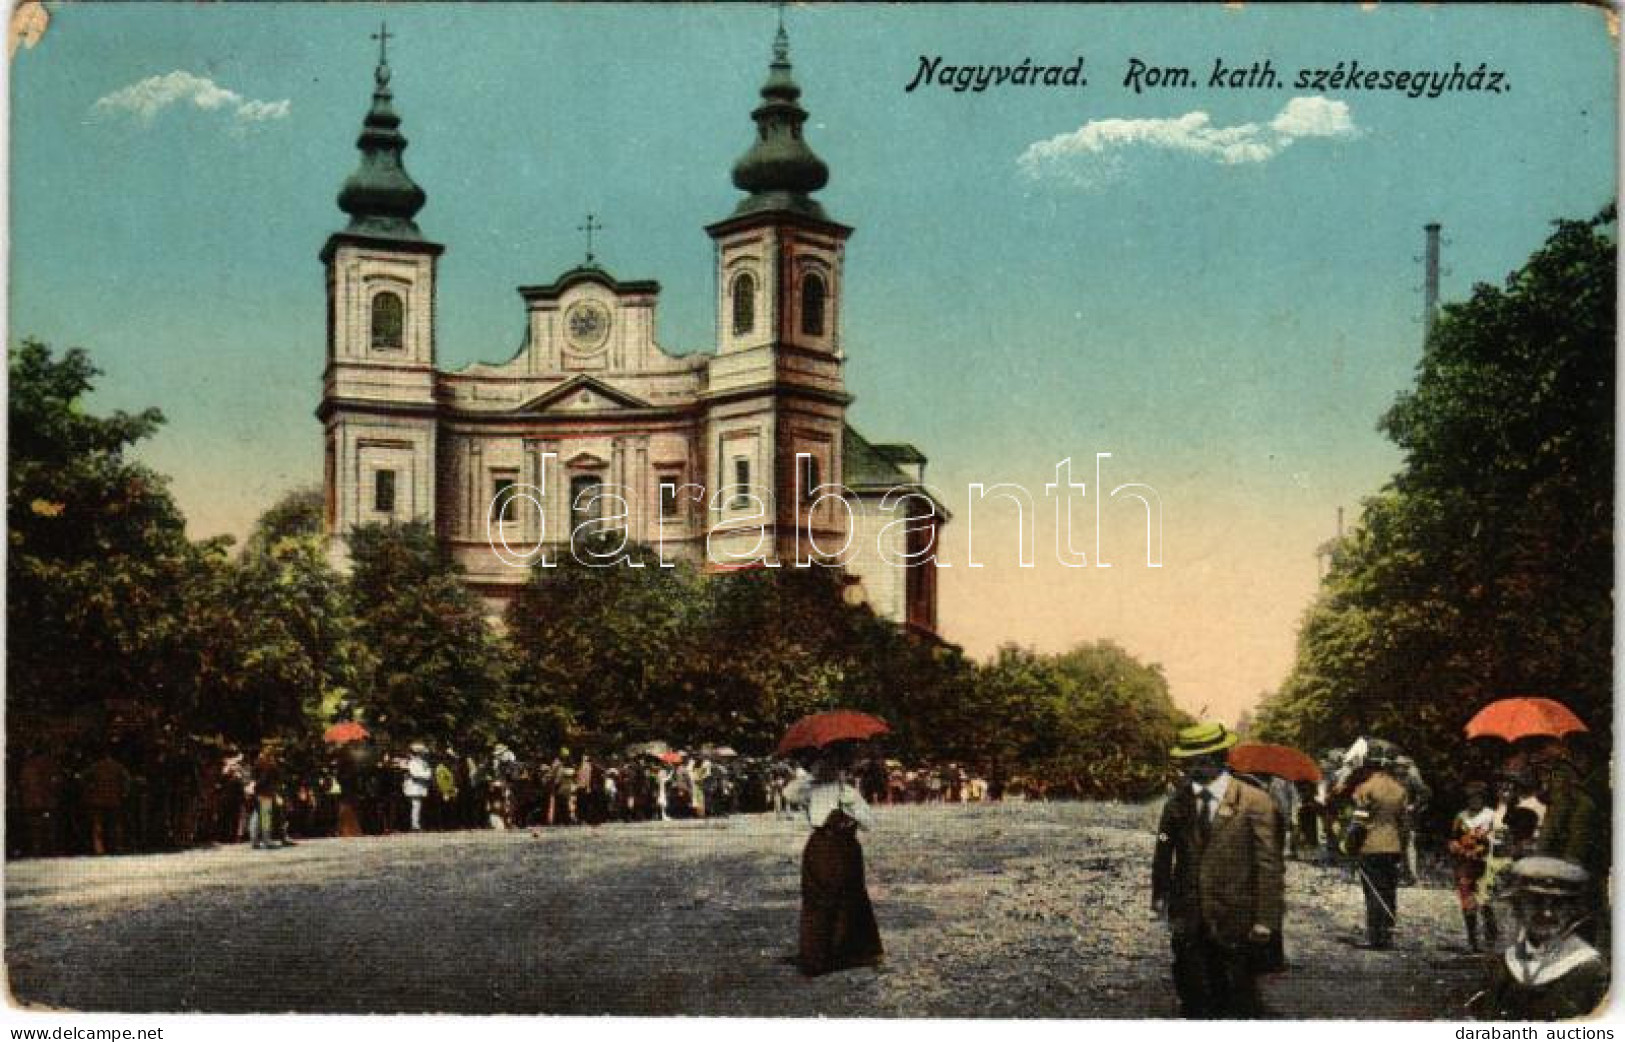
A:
1202, 739
1551, 876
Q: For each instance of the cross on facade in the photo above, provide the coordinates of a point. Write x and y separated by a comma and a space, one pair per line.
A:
382, 36
589, 227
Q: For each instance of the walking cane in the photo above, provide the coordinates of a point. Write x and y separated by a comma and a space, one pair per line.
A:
1371, 888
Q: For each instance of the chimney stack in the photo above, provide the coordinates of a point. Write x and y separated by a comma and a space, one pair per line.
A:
1430, 303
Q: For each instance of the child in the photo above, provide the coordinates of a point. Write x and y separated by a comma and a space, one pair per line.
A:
1469, 848
1550, 972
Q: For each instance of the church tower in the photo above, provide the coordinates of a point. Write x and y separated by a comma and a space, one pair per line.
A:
378, 388
776, 401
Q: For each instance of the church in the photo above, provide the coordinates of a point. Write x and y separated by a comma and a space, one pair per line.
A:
727, 458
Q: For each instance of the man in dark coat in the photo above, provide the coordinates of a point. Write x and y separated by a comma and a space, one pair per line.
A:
1218, 877
105, 789
1572, 829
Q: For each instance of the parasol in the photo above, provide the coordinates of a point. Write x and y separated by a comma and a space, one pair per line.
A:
837, 725
1279, 760
344, 732
1527, 717
670, 758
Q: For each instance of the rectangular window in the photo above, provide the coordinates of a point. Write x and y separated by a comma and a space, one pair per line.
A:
741, 496
586, 505
383, 491
500, 488
809, 477
669, 481
330, 489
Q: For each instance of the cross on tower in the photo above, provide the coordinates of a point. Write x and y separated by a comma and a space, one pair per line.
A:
589, 227
781, 39
382, 36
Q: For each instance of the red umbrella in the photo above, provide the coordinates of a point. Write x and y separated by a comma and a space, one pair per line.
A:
837, 725
1280, 760
1515, 718
345, 732
672, 758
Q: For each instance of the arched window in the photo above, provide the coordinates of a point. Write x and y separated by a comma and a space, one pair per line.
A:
744, 303
812, 304
387, 312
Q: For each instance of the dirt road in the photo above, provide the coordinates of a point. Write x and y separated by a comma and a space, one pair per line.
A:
1014, 910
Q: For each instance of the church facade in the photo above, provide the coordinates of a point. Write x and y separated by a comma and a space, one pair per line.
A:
593, 436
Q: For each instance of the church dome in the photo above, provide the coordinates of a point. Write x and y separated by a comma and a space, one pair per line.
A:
780, 170
379, 197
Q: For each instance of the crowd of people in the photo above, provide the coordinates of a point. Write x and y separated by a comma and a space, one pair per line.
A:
1532, 841
271, 796
1539, 851
122, 799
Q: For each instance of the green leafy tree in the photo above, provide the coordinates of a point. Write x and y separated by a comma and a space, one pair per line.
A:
1093, 721
434, 669
103, 587
1485, 568
599, 652
296, 514
286, 643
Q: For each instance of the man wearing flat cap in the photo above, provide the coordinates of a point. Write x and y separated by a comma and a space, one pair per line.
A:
1550, 972
1217, 876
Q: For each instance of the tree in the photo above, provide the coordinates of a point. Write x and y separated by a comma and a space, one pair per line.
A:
606, 656
435, 670
1485, 568
1093, 720
286, 642
297, 513
602, 653
103, 587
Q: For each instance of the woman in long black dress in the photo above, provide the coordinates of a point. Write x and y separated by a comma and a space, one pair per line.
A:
838, 928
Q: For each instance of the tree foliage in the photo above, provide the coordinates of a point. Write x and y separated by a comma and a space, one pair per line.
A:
111, 605
285, 643
1485, 568
608, 656
101, 581
1094, 721
432, 667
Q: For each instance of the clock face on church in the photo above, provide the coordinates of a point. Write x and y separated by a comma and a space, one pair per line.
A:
586, 325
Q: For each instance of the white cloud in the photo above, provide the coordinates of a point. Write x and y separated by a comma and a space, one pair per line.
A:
1095, 152
1313, 117
146, 98
260, 111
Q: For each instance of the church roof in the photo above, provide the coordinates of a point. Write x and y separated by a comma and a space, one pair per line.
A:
864, 466
901, 453
870, 468
780, 169
380, 197
587, 272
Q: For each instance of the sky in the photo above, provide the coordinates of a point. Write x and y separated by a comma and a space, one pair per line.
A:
1219, 287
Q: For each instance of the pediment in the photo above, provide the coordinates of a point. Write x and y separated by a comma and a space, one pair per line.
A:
586, 461
583, 394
